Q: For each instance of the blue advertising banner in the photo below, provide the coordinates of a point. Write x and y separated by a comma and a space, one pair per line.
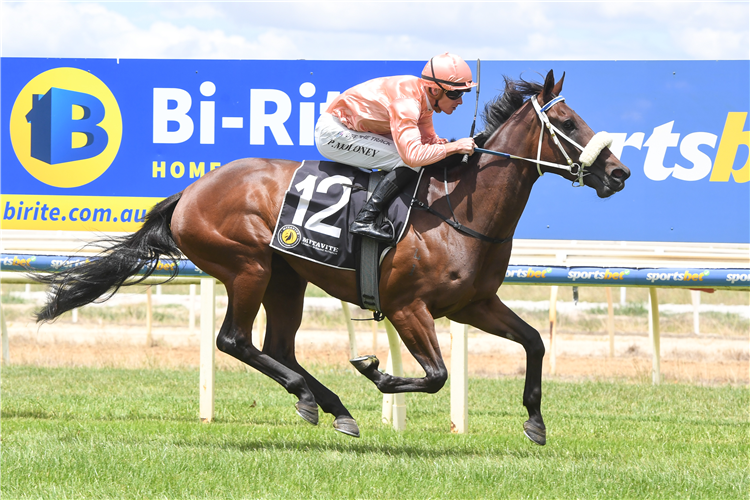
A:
730, 279
91, 144
27, 263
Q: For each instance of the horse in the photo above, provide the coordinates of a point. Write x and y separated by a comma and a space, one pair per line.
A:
224, 223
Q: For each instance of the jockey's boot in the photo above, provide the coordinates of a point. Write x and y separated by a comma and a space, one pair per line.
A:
365, 223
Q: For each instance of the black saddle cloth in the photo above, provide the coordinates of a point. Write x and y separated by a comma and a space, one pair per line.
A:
320, 204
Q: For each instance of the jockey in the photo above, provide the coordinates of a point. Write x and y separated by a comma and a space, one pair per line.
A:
386, 124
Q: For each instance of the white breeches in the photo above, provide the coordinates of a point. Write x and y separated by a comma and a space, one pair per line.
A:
359, 149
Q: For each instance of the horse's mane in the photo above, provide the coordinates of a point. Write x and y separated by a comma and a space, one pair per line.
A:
497, 111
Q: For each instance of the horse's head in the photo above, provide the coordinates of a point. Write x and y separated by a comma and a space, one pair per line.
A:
583, 155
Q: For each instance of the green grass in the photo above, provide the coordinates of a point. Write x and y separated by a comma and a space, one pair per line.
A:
90, 433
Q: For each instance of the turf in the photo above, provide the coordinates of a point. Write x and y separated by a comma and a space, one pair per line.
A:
110, 433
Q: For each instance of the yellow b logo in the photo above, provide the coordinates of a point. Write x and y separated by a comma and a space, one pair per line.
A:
66, 127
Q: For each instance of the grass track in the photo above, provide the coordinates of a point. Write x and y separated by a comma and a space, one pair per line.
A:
108, 433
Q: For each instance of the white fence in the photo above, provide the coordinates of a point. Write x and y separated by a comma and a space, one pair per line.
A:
537, 253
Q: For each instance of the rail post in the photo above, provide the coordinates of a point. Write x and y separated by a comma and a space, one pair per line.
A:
695, 295
260, 325
6, 347
350, 329
553, 329
396, 367
459, 378
207, 349
610, 322
149, 318
654, 337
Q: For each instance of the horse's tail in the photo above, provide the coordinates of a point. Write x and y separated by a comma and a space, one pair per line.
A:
122, 257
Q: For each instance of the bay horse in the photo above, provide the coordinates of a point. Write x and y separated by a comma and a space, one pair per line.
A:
224, 222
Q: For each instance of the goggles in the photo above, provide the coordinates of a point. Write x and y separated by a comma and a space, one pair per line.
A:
454, 95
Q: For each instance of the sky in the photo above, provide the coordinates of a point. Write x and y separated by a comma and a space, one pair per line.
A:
362, 30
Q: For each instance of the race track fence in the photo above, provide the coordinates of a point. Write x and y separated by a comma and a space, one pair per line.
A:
691, 266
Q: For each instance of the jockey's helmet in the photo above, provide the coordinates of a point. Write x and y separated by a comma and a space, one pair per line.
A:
448, 72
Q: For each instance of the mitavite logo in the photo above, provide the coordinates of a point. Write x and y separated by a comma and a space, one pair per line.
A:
66, 127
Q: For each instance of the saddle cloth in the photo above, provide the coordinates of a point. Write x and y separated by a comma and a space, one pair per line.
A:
321, 202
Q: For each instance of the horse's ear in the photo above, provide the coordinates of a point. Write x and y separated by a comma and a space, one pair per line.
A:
557, 90
549, 84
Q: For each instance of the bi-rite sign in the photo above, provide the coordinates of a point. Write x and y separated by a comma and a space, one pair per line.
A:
93, 144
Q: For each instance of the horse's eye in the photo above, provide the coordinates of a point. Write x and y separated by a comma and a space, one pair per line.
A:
569, 125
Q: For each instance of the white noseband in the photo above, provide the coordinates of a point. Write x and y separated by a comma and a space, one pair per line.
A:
589, 154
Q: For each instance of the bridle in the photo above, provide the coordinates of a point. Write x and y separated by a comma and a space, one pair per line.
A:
589, 154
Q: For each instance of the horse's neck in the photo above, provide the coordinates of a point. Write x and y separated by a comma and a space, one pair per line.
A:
518, 136
503, 186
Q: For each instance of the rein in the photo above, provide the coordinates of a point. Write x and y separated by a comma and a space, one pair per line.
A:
588, 154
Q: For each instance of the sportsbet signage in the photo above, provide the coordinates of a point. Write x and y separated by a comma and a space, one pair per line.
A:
92, 144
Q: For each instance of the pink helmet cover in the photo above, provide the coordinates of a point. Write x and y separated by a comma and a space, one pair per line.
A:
449, 72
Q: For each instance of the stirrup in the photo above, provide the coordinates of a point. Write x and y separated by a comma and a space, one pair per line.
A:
375, 231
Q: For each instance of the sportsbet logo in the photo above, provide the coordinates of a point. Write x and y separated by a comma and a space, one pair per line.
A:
66, 127
677, 276
528, 273
599, 274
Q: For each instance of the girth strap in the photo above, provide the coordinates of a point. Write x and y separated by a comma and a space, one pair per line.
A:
415, 203
368, 270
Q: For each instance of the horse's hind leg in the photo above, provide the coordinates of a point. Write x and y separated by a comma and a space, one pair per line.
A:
416, 328
235, 338
492, 316
284, 301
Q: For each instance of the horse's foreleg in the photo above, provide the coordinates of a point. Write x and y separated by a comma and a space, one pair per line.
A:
284, 302
492, 316
416, 328
235, 338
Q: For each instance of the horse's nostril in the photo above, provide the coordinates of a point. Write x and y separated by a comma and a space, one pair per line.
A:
618, 173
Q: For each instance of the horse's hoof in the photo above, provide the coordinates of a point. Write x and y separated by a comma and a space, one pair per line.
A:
535, 433
346, 425
365, 363
308, 412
